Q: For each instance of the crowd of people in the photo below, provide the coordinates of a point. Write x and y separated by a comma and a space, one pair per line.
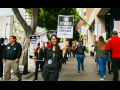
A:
51, 60
107, 52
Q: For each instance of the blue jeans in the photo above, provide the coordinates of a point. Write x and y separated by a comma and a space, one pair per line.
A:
102, 65
69, 53
80, 59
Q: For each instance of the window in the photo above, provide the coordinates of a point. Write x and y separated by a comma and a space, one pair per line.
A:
21, 32
84, 13
20, 25
14, 30
16, 24
18, 31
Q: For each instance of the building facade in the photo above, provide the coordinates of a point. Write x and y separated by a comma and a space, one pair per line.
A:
96, 16
9, 26
103, 16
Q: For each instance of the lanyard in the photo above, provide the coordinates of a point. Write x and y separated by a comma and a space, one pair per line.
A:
53, 55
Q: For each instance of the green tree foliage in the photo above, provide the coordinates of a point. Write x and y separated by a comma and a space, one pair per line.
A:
48, 18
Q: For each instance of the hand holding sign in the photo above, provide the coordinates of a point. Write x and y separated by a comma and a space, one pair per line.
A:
64, 50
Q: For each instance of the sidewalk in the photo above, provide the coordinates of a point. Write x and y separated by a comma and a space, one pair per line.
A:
69, 72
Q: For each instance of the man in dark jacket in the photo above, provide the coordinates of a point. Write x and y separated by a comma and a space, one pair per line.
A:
2, 46
12, 54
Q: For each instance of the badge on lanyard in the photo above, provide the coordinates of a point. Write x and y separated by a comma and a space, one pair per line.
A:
8, 47
49, 61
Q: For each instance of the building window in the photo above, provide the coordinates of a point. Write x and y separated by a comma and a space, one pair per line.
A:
16, 24
84, 13
20, 25
14, 30
21, 32
18, 31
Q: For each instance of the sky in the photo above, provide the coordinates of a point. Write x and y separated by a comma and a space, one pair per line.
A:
8, 11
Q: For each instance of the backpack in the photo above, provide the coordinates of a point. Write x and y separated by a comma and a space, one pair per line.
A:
80, 50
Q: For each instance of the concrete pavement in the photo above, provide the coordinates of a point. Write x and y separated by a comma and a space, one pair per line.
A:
69, 72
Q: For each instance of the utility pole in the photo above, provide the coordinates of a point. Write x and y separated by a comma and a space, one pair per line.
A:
5, 29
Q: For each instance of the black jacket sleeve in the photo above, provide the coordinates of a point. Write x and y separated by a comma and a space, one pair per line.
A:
19, 51
44, 52
84, 48
75, 51
4, 53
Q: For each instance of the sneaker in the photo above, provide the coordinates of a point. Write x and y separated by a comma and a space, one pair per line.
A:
83, 69
97, 72
34, 79
104, 75
101, 78
78, 72
19, 79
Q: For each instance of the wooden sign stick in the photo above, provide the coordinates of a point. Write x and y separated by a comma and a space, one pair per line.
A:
63, 47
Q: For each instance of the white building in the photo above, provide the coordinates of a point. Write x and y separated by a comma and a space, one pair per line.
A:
9, 26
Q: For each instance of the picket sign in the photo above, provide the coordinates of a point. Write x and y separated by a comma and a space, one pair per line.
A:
65, 28
63, 53
21, 67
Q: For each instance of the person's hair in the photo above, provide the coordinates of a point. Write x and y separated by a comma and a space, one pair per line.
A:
96, 42
114, 33
1, 40
79, 43
57, 49
38, 43
92, 45
101, 43
13, 37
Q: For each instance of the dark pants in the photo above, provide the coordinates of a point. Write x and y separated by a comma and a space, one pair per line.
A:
73, 54
116, 66
41, 63
110, 67
50, 76
60, 66
1, 68
69, 53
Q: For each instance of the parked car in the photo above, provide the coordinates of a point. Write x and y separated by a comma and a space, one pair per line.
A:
30, 53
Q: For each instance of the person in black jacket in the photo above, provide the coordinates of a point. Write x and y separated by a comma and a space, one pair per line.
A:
79, 51
2, 47
39, 61
52, 58
12, 54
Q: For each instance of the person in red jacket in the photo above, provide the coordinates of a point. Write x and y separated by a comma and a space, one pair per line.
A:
114, 44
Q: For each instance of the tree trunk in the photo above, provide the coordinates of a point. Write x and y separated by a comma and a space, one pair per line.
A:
25, 44
29, 30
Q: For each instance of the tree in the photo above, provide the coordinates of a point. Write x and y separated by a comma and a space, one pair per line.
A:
48, 18
29, 30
